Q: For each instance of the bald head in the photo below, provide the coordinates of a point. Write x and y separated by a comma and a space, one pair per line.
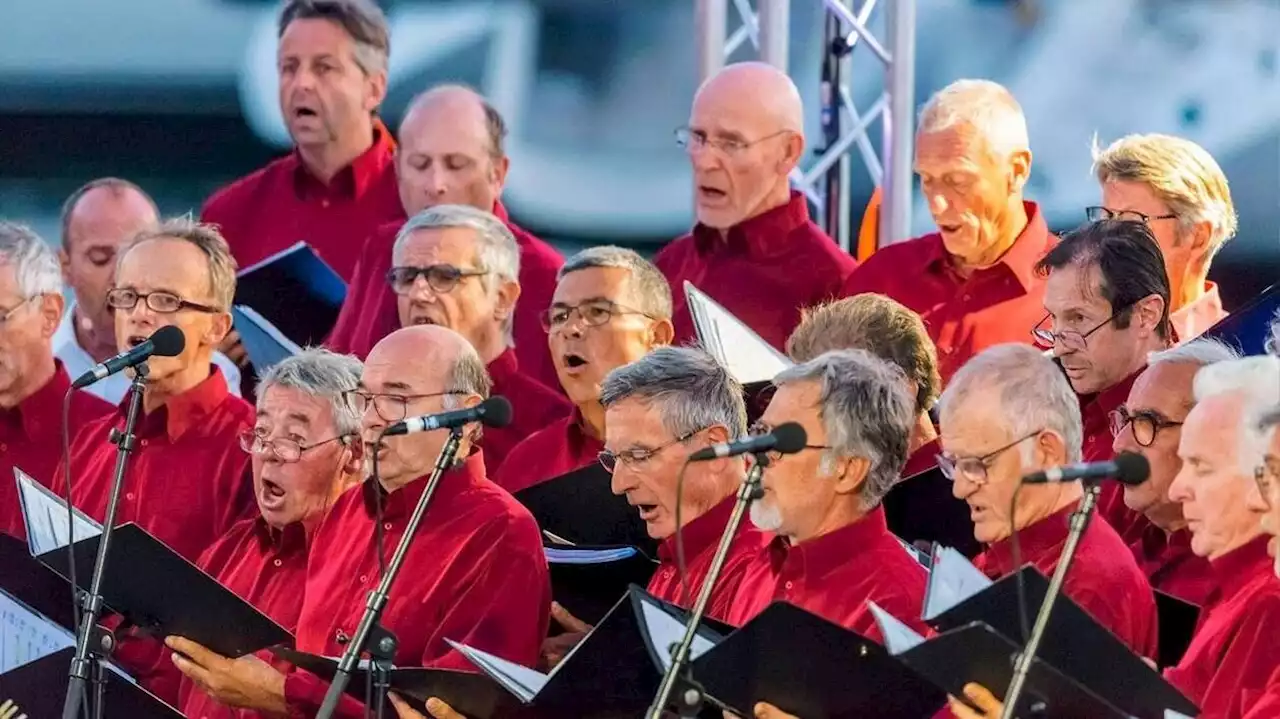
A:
451, 150
755, 89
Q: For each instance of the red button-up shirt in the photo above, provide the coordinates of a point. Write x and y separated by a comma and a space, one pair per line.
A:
31, 440
1104, 579
701, 536
1192, 320
1095, 412
475, 573
555, 450
835, 575
534, 406
1234, 650
1267, 704
764, 271
1171, 566
283, 203
996, 304
265, 567
369, 312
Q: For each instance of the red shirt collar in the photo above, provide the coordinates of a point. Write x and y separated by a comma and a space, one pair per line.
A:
504, 366
1019, 260
290, 540
354, 179
821, 555
923, 459
1034, 542
400, 503
1103, 402
182, 412
765, 235
699, 533
40, 413
1240, 567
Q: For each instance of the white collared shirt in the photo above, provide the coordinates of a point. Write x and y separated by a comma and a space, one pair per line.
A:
113, 388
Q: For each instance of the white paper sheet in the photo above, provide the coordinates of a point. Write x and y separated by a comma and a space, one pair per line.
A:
45, 516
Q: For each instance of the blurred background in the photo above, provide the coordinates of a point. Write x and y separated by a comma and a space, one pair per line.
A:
179, 96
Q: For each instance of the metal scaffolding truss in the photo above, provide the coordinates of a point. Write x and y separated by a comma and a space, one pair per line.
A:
845, 128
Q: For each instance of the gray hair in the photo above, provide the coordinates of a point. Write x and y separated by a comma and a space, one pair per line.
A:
324, 375
986, 106
33, 261
865, 410
649, 288
467, 376
206, 238
1202, 351
691, 390
1032, 391
1257, 379
362, 20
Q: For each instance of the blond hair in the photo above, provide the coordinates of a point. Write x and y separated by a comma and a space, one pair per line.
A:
988, 107
206, 238
1181, 173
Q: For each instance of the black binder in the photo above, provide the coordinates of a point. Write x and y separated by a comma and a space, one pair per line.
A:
1177, 625
921, 508
295, 291
39, 688
34, 584
1249, 326
589, 591
811, 668
580, 507
158, 591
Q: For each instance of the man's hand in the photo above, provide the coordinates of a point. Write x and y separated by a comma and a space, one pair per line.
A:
247, 682
9, 710
555, 648
234, 350
989, 707
438, 709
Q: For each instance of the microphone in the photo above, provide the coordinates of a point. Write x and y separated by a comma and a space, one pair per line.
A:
1128, 468
167, 341
785, 438
493, 412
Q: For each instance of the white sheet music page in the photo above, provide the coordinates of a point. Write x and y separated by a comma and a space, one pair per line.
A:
45, 516
898, 637
952, 580
665, 630
26, 635
518, 679
735, 345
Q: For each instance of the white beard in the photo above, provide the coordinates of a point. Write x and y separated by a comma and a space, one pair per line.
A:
765, 517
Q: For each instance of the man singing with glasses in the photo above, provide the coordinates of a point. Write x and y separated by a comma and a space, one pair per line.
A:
458, 267
305, 451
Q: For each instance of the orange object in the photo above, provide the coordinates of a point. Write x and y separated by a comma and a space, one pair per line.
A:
869, 232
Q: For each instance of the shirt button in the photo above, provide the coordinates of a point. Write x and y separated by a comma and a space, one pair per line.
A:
4, 448
386, 526
277, 562
967, 297
364, 579
789, 585
129, 496
324, 203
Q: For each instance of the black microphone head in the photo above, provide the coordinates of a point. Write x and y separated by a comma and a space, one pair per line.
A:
789, 437
168, 341
495, 411
1132, 468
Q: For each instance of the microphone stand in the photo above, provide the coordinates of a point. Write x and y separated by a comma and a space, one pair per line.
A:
93, 642
691, 694
1079, 521
382, 643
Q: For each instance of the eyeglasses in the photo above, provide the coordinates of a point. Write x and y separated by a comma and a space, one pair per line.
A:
1267, 475
760, 428
593, 313
5, 315
282, 448
441, 278
1071, 340
390, 407
1098, 213
697, 140
123, 298
974, 469
1144, 425
635, 457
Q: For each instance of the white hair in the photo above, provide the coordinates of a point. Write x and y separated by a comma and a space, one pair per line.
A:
1257, 380
321, 374
1202, 351
1032, 392
33, 261
986, 106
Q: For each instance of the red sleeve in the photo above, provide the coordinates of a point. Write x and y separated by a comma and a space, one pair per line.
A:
1263, 704
343, 335
304, 694
1247, 665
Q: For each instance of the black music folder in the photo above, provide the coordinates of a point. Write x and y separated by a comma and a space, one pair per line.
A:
39, 689
27, 580
1249, 327
163, 594
812, 668
295, 291
580, 507
1177, 625
588, 581
921, 508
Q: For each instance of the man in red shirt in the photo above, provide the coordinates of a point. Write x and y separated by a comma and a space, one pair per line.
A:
1006, 413
611, 307
306, 451
338, 183
32, 382
1177, 189
831, 552
475, 573
745, 135
1150, 423
1266, 501
451, 153
973, 281
458, 267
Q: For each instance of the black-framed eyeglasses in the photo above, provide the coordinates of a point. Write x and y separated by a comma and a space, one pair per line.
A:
695, 140
974, 469
5, 315
282, 448
125, 298
593, 313
760, 428
636, 456
390, 407
1097, 213
1144, 424
1072, 340
441, 278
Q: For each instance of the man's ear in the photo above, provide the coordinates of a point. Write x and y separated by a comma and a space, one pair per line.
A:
1050, 449
353, 466
508, 293
792, 151
851, 473
219, 328
1148, 311
661, 333
1019, 170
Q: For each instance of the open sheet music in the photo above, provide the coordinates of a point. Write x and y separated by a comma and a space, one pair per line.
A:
952, 579
49, 527
731, 342
26, 635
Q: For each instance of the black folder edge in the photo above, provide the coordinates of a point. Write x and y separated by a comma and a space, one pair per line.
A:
29, 686
638, 568
129, 541
630, 530
1177, 619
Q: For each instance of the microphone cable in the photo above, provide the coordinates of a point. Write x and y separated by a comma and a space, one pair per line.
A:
681, 570
1024, 623
71, 526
